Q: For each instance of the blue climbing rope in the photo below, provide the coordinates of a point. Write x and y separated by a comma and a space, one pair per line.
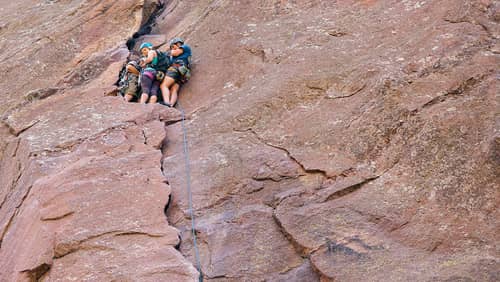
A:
190, 195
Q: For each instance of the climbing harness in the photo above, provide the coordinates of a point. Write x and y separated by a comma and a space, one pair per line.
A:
188, 188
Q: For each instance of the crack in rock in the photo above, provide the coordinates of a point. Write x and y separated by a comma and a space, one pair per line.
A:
299, 249
57, 217
295, 160
9, 223
64, 249
38, 272
472, 22
349, 189
144, 136
465, 86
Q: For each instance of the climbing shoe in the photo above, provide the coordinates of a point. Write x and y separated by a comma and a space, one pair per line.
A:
165, 104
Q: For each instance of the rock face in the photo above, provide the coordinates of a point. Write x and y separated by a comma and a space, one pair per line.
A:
341, 140
328, 141
82, 193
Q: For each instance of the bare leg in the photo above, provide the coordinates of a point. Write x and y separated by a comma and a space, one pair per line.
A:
128, 97
153, 99
144, 98
175, 91
165, 84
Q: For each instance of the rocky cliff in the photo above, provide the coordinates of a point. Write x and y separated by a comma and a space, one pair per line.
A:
328, 141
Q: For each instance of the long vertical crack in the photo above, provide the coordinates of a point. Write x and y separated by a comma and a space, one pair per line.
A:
146, 29
169, 200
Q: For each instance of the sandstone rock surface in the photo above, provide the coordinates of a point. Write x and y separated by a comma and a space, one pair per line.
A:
328, 141
368, 129
82, 193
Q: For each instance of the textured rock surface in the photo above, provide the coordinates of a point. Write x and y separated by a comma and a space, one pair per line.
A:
329, 140
366, 130
82, 193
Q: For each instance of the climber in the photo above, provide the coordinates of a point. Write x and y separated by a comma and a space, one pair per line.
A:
129, 81
157, 63
149, 83
178, 73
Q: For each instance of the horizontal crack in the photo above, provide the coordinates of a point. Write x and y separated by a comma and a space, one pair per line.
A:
70, 145
463, 87
349, 189
356, 91
58, 217
483, 26
65, 249
400, 226
306, 170
172, 122
38, 272
82, 248
30, 125
133, 233
273, 179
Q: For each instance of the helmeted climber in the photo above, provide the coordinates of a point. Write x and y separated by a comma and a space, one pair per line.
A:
178, 73
155, 64
149, 84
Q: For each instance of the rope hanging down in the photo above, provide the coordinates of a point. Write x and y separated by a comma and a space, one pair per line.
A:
190, 195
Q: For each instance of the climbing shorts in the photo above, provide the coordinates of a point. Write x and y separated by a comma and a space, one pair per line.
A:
149, 84
133, 86
179, 73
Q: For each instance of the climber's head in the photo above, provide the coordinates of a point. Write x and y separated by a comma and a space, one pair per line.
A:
145, 47
176, 42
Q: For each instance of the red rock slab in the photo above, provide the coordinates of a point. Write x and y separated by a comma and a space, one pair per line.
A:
18, 174
106, 183
114, 143
345, 244
236, 244
56, 37
91, 204
27, 247
113, 195
123, 257
223, 162
310, 226
86, 116
342, 263
304, 272
9, 167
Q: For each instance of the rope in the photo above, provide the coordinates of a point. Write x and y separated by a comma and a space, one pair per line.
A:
190, 195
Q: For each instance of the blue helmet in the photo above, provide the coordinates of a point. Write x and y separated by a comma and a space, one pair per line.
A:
146, 45
176, 40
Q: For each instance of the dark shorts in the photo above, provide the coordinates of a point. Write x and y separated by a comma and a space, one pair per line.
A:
174, 73
149, 84
177, 75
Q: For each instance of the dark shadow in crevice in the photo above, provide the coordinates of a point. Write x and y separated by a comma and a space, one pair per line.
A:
167, 205
146, 27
